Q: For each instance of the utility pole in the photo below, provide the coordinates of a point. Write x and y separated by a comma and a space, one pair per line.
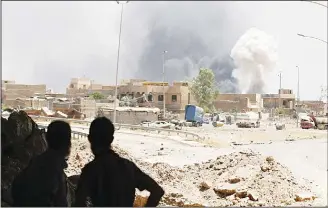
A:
118, 60
306, 36
164, 115
298, 93
279, 105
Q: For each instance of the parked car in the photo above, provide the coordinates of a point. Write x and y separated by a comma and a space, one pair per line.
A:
307, 123
245, 120
206, 120
159, 124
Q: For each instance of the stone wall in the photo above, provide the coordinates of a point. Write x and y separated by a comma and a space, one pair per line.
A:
130, 117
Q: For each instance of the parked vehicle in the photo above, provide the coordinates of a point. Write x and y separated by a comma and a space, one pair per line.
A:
322, 123
307, 123
217, 124
178, 124
206, 120
194, 114
245, 121
159, 124
280, 126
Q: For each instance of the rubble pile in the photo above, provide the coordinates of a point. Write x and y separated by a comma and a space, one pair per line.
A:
239, 179
21, 139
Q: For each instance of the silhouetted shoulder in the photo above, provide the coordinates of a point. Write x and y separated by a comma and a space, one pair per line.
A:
88, 167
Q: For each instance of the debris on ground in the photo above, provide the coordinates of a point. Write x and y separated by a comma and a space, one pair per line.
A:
240, 179
244, 178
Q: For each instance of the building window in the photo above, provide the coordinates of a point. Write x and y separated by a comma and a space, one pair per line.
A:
188, 98
150, 98
174, 98
160, 98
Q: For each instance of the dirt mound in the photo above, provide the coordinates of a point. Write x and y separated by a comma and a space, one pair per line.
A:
238, 179
21, 139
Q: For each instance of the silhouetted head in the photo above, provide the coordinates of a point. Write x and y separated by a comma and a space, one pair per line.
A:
101, 134
58, 137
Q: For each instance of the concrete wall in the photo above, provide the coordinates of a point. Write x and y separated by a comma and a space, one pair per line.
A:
88, 108
237, 102
237, 97
36, 104
230, 106
36, 88
131, 117
273, 102
13, 91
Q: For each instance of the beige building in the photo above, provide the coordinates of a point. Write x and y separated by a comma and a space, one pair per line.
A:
177, 95
255, 102
16, 95
239, 102
287, 99
316, 106
29, 103
12, 90
80, 87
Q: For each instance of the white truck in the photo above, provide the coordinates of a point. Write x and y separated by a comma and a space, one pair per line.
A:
245, 120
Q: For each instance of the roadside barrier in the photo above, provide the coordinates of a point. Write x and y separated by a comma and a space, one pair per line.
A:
86, 124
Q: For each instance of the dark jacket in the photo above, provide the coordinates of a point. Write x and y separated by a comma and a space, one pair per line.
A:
110, 180
42, 183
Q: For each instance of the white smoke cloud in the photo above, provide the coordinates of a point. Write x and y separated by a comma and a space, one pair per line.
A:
255, 56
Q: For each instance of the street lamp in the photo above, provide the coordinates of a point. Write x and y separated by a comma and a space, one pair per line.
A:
306, 36
118, 58
317, 3
298, 92
164, 52
279, 91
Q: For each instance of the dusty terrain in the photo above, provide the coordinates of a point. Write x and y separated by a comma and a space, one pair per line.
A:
234, 175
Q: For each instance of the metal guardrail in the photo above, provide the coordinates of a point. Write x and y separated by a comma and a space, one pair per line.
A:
119, 125
75, 134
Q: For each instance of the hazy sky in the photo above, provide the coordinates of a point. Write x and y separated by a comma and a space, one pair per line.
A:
51, 42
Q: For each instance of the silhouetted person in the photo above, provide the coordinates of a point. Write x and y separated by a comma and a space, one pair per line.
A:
43, 182
110, 180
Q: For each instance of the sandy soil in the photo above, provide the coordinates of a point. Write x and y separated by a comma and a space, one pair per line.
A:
164, 158
181, 165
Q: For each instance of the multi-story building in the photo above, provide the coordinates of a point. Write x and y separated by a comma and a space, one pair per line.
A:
80, 87
12, 90
177, 95
239, 102
286, 97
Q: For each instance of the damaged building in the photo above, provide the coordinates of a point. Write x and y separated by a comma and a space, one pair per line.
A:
150, 94
255, 102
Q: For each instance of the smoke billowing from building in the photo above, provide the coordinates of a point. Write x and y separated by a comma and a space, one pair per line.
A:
196, 35
255, 56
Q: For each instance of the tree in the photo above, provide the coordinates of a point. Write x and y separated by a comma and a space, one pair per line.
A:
97, 96
204, 89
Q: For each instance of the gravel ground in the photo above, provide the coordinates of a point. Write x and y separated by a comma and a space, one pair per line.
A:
165, 158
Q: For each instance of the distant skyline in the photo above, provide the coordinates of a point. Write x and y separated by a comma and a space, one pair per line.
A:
52, 42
